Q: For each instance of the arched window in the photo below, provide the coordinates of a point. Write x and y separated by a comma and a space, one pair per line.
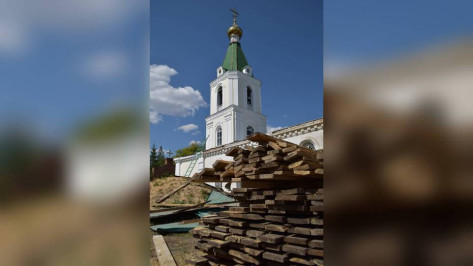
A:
219, 136
219, 96
249, 130
249, 96
308, 144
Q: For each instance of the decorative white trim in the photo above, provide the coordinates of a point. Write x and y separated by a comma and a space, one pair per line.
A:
225, 148
304, 128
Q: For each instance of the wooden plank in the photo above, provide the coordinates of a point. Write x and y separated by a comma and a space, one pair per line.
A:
302, 162
218, 235
272, 247
316, 221
219, 165
236, 223
274, 145
282, 258
298, 220
306, 166
238, 168
240, 209
276, 228
315, 252
286, 197
317, 208
318, 197
222, 228
271, 238
252, 251
316, 243
298, 240
297, 191
162, 251
237, 231
211, 219
301, 231
274, 176
317, 232
234, 239
228, 173
289, 149
217, 243
290, 208
203, 246
303, 261
233, 152
280, 184
250, 242
275, 218
244, 257
270, 165
254, 233
294, 249
258, 225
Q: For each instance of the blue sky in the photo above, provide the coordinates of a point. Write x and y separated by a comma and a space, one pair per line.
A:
64, 64
67, 63
282, 41
370, 30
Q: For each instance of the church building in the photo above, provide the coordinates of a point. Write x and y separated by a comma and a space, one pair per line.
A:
236, 112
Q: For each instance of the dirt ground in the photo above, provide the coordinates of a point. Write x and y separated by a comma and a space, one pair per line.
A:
181, 247
191, 194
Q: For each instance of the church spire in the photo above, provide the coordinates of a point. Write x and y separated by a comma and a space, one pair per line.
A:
234, 59
234, 32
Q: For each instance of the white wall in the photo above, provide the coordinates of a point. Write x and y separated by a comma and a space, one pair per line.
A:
234, 115
316, 137
183, 163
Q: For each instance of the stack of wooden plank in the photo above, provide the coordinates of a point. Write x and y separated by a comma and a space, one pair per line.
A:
279, 220
272, 160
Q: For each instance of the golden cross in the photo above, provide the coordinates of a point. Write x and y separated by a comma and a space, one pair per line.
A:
235, 14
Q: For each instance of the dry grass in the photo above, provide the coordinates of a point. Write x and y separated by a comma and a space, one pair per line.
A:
191, 194
180, 245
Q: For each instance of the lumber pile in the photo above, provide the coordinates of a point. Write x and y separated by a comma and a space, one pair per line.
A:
279, 220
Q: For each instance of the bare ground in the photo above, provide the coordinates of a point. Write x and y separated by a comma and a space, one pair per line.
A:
180, 245
191, 194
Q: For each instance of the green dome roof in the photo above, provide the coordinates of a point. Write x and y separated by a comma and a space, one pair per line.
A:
234, 59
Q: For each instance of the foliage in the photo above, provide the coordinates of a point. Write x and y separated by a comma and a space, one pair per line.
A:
190, 150
204, 194
111, 125
153, 157
160, 157
156, 157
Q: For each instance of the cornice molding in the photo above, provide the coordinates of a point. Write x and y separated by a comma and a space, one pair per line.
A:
304, 128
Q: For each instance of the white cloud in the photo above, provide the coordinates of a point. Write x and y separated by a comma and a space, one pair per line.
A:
188, 127
270, 129
167, 100
154, 117
12, 37
194, 142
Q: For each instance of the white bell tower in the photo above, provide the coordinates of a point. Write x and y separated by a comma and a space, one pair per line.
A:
235, 97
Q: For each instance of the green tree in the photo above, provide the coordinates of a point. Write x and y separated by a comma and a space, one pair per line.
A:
153, 157
190, 150
160, 157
